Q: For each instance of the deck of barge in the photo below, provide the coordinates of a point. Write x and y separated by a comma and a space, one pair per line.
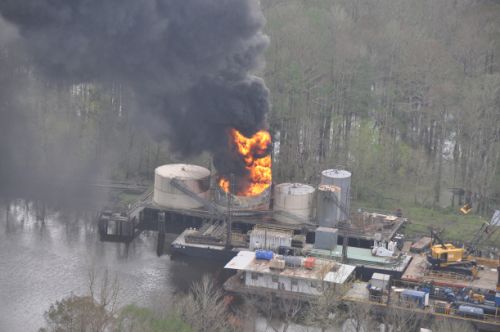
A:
417, 272
359, 294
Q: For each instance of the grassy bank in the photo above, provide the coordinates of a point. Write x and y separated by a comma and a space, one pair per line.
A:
455, 226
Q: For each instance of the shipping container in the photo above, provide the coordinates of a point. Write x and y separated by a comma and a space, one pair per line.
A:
418, 298
325, 238
269, 239
380, 281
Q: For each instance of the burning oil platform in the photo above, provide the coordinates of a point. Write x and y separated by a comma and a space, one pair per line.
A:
292, 239
218, 214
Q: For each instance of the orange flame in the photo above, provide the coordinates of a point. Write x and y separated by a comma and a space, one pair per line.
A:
252, 150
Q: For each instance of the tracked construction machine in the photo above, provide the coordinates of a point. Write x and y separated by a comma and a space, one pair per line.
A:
460, 260
447, 257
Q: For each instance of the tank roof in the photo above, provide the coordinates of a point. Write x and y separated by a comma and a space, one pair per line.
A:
336, 173
329, 187
295, 188
182, 171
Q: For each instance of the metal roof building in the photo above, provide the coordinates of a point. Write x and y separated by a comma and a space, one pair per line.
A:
334, 272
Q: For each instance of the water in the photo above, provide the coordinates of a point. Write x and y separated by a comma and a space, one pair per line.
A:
41, 263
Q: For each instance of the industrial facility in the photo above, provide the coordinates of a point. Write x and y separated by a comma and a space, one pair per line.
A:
297, 240
195, 202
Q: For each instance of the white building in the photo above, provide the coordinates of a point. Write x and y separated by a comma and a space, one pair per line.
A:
258, 274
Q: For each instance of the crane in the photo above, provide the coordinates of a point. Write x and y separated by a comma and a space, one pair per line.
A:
446, 256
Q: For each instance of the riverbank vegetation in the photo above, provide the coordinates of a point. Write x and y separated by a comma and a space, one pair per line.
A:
205, 309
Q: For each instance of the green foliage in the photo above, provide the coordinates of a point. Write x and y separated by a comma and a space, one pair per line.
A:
402, 95
455, 226
136, 319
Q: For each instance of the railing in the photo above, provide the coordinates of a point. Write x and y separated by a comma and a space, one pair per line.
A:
433, 309
447, 275
209, 205
140, 202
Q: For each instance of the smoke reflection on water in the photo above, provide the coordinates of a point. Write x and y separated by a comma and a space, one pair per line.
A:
41, 262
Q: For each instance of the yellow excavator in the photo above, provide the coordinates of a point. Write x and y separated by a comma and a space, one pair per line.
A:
448, 257
466, 208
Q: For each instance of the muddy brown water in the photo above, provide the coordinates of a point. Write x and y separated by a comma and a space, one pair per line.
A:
41, 263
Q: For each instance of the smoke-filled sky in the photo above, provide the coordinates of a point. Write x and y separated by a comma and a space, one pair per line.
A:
188, 63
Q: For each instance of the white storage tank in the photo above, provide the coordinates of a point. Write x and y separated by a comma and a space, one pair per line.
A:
193, 177
293, 202
327, 212
340, 178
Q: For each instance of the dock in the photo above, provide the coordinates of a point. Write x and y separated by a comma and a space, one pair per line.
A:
219, 252
361, 231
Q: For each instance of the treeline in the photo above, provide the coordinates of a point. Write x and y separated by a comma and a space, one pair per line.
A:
56, 137
406, 94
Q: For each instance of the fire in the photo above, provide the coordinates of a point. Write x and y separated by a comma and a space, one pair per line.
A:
255, 153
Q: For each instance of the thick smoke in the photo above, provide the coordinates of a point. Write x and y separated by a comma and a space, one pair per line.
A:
188, 63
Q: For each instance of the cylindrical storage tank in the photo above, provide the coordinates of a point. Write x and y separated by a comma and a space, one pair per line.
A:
293, 202
327, 212
243, 203
193, 177
342, 179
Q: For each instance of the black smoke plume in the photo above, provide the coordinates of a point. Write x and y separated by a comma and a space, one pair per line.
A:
187, 63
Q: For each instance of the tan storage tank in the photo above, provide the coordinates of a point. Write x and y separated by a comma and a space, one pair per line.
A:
293, 202
193, 177
243, 203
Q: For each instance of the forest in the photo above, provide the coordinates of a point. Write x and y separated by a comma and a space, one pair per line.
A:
404, 94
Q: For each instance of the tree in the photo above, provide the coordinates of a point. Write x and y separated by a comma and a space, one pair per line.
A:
401, 320
420, 76
93, 312
136, 319
203, 308
77, 313
358, 318
445, 325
